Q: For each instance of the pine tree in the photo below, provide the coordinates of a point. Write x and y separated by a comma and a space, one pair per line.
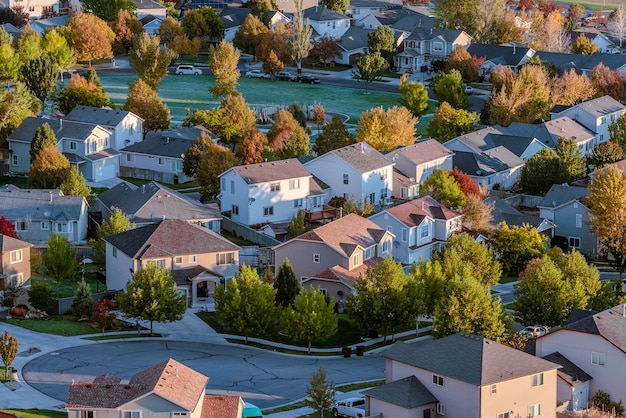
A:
287, 286
44, 136
82, 306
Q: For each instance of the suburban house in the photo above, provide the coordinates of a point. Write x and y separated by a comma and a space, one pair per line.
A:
271, 192
159, 156
151, 24
418, 161
420, 227
334, 255
35, 8
513, 56
463, 376
42, 25
353, 42
424, 45
126, 128
154, 202
232, 18
584, 63
572, 384
168, 389
198, 258
502, 212
595, 115
14, 263
358, 9
327, 22
87, 146
594, 342
604, 44
397, 18
357, 171
38, 213
149, 7
564, 206
497, 166
550, 131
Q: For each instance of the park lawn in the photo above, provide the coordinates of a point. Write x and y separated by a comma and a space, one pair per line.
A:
36, 413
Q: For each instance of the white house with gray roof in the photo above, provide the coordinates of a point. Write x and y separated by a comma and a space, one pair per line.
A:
399, 19
353, 42
426, 44
512, 56
487, 168
39, 213
550, 131
463, 376
357, 172
327, 22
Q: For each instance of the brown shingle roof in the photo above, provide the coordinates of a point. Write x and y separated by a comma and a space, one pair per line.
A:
221, 407
422, 151
610, 324
272, 171
9, 244
349, 277
412, 213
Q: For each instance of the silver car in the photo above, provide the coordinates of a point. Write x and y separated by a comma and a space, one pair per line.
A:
185, 69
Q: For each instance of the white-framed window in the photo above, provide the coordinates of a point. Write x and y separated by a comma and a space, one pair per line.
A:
85, 414
94, 146
178, 260
534, 410
424, 231
574, 242
160, 262
223, 184
437, 46
355, 260
21, 226
537, 380
176, 414
225, 258
369, 253
494, 389
385, 246
235, 210
298, 203
268, 211
63, 227
441, 409
437, 380
73, 145
405, 234
131, 414
575, 205
232, 186
598, 359
317, 201
383, 194
504, 415
15, 160
45, 226
294, 184
316, 258
346, 179
579, 220
17, 256
275, 187
17, 279
161, 161
193, 259
114, 251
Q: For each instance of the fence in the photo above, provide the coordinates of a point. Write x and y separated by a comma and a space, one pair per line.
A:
82, 252
64, 305
249, 256
248, 234
524, 200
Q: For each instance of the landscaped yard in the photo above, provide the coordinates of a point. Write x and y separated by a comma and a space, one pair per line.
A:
36, 413
64, 325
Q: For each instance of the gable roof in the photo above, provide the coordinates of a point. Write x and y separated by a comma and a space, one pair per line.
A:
483, 361
549, 131
493, 137
499, 54
8, 243
322, 14
39, 204
392, 16
173, 143
233, 17
610, 324
489, 162
362, 156
560, 194
446, 35
101, 116
599, 107
421, 152
354, 38
406, 393
171, 380
271, 171
413, 212
168, 238
569, 372
215, 406
347, 277
503, 212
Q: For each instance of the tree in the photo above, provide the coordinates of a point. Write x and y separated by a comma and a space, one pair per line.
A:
8, 352
223, 60
272, 64
55, 45
454, 15
277, 40
250, 151
300, 40
465, 182
334, 135
449, 88
74, 184
617, 131
247, 305
44, 136
463, 254
40, 295
380, 300
286, 137
126, 28
118, 222
261, 10
28, 44
448, 122
325, 49
80, 91
617, 23
297, 226
516, 246
369, 68
169, 30
429, 280
286, 285
143, 101
584, 45
382, 42
49, 169
413, 96
107, 10
442, 186
468, 307
608, 82
101, 315
213, 162
320, 392
151, 295
60, 258
15, 106
193, 155
606, 153
40, 76
150, 59
571, 88
571, 156
477, 214
311, 319
462, 61
9, 59
82, 305
386, 130
7, 15
90, 37
250, 34
542, 171
319, 115
7, 228
339, 6
238, 119
576, 11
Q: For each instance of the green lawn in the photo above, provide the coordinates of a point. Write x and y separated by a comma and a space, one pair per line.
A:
67, 287
36, 413
64, 325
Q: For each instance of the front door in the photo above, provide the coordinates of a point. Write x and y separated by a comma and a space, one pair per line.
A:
427, 413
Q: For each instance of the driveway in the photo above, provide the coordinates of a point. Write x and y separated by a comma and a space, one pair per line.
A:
264, 378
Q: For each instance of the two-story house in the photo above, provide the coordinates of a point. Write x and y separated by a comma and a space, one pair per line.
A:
327, 22
420, 227
565, 207
14, 263
154, 202
418, 161
198, 258
594, 342
334, 255
426, 44
35, 8
497, 166
355, 172
604, 44
126, 128
270, 192
595, 115
165, 390
398, 18
550, 131
38, 213
512, 56
465, 376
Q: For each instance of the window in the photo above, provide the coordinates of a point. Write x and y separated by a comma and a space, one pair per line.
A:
294, 184
385, 246
94, 146
73, 145
86, 414
574, 242
317, 201
346, 179
437, 380
17, 279
159, 262
372, 198
15, 160
579, 220
235, 210
193, 259
64, 227
598, 359
316, 258
424, 231
45, 225
494, 389
161, 161
355, 260
232, 186
405, 234
131, 414
537, 380
437, 47
225, 258
297, 203
223, 184
324, 291
441, 410
130, 158
114, 252
21, 226
534, 410
504, 415
275, 187
16, 256
369, 253
31, 8
179, 414
383, 194
268, 211
178, 260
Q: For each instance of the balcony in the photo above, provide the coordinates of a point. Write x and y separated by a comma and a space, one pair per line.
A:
326, 213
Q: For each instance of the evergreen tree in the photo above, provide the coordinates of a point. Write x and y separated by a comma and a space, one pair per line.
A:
334, 135
82, 305
287, 286
44, 136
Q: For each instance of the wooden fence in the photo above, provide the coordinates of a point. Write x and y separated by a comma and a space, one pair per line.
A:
248, 234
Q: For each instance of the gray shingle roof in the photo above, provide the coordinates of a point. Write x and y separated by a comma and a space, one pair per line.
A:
322, 14
569, 372
490, 162
447, 35
559, 195
271, 171
496, 136
362, 156
421, 152
610, 324
469, 358
392, 16
96, 115
172, 143
407, 393
354, 38
549, 132
62, 129
601, 106
39, 204
505, 55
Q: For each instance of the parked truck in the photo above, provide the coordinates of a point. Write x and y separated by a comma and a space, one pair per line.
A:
350, 407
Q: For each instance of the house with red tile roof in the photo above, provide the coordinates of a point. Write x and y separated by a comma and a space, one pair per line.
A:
165, 390
334, 255
420, 227
198, 258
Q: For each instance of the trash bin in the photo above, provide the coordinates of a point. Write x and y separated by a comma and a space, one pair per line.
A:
14, 377
360, 349
347, 352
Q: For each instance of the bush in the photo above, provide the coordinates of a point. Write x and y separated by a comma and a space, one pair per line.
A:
82, 306
603, 401
40, 295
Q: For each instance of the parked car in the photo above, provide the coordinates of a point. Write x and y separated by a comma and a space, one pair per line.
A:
534, 331
350, 407
286, 76
256, 74
185, 69
251, 411
468, 89
308, 78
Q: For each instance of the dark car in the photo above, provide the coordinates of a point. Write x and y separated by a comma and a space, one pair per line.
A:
307, 78
285, 76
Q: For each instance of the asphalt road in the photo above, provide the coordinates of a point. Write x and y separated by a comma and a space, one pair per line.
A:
264, 378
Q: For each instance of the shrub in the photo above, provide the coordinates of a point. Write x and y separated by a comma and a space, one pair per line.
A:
40, 295
82, 306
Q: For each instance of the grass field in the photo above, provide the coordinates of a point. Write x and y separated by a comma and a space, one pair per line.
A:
36, 413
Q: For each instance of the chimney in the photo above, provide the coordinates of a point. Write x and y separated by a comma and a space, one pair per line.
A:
50, 193
423, 208
514, 48
177, 372
143, 188
60, 124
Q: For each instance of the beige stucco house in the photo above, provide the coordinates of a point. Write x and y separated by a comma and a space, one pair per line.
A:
14, 262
